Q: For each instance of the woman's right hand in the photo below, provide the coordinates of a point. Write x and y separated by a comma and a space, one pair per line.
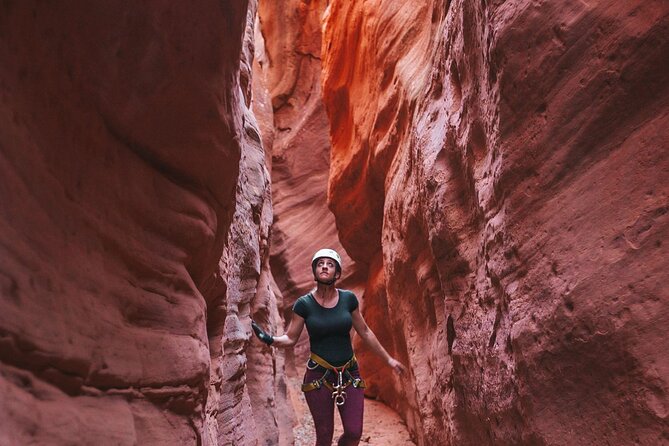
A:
397, 366
261, 334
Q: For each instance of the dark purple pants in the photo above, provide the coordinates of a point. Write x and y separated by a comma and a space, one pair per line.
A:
321, 404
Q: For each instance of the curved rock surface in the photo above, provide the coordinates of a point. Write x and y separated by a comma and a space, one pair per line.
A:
503, 168
290, 69
134, 225
498, 174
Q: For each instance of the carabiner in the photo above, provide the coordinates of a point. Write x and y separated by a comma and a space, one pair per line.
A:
339, 395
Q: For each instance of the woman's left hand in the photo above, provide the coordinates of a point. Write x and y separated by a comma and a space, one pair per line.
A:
397, 366
261, 334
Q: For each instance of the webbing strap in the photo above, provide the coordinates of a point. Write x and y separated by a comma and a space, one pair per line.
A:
326, 365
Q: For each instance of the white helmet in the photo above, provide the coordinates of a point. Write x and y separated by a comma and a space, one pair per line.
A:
328, 253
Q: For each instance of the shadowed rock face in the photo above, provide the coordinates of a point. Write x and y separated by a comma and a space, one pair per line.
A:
502, 167
134, 224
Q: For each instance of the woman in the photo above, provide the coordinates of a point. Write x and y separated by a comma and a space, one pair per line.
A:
332, 376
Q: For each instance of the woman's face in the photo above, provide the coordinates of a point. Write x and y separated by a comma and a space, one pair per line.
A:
326, 269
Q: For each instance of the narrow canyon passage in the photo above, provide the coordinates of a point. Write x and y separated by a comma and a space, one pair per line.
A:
287, 101
495, 175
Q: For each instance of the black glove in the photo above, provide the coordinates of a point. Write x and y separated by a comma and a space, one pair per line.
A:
264, 337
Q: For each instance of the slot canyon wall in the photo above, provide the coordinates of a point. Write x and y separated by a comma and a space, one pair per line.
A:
134, 227
289, 67
498, 174
502, 169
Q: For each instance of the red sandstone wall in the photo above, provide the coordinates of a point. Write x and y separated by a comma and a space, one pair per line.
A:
503, 167
498, 170
290, 70
134, 225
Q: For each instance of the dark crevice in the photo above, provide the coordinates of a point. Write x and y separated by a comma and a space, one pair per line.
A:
495, 327
450, 333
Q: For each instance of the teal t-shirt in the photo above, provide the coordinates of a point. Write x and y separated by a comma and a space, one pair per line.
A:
329, 328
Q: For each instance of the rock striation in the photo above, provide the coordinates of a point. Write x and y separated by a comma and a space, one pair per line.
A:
134, 226
502, 168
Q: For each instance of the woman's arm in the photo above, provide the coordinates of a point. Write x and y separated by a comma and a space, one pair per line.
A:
370, 339
292, 334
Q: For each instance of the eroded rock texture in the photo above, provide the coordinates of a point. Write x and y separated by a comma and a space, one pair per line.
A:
290, 69
134, 225
503, 169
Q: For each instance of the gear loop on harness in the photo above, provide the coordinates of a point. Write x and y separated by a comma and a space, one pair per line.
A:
337, 389
310, 366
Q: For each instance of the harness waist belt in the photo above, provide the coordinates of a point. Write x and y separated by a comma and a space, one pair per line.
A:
326, 365
341, 372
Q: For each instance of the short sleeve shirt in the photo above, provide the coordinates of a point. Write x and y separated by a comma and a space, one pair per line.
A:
329, 328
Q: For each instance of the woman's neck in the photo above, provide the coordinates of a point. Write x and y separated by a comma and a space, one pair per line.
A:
325, 292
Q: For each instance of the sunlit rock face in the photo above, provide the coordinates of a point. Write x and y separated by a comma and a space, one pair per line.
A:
502, 167
290, 70
131, 172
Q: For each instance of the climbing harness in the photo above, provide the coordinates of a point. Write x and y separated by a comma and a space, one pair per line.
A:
342, 372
